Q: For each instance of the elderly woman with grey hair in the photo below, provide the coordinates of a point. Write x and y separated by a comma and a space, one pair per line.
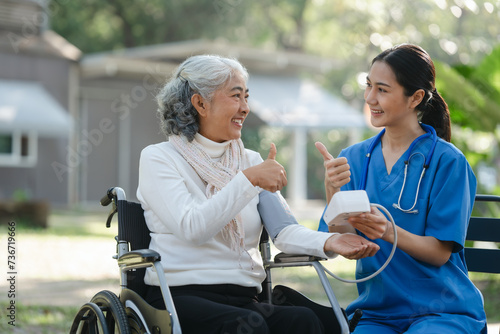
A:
200, 195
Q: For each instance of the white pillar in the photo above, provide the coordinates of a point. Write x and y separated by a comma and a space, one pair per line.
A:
297, 180
355, 135
124, 148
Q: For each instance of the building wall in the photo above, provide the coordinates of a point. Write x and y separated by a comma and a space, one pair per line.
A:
118, 119
40, 181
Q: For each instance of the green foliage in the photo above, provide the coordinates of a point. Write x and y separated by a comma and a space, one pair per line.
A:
469, 105
37, 319
486, 77
487, 74
472, 92
461, 37
260, 139
489, 285
335, 140
21, 195
340, 29
104, 25
473, 97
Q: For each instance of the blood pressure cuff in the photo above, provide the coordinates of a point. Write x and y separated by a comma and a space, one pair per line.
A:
274, 213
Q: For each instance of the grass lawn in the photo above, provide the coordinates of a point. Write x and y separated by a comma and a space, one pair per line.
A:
71, 229
38, 319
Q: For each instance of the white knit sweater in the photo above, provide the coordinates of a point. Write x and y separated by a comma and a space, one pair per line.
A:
186, 226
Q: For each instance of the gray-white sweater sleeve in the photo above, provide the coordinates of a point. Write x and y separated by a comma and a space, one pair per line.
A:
287, 234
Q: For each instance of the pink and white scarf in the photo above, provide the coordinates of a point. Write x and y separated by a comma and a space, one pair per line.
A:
216, 174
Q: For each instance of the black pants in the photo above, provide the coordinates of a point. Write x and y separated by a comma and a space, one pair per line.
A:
232, 309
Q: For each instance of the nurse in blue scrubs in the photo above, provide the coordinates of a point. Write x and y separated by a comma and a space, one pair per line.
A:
425, 288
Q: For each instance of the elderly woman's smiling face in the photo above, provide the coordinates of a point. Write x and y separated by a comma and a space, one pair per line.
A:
221, 118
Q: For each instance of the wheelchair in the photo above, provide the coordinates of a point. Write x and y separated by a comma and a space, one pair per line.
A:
130, 313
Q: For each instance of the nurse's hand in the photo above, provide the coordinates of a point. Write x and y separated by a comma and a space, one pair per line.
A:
350, 246
373, 224
269, 175
337, 172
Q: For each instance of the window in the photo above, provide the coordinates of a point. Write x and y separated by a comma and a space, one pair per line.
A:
18, 149
5, 144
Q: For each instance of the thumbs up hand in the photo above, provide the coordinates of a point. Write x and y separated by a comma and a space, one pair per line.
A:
324, 152
337, 171
272, 152
268, 175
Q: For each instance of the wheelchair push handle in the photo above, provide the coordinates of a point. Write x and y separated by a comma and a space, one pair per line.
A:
113, 195
106, 199
116, 193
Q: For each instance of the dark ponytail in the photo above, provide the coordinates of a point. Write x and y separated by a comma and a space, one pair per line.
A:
434, 112
414, 70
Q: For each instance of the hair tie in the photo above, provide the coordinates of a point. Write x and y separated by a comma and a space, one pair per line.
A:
180, 76
431, 95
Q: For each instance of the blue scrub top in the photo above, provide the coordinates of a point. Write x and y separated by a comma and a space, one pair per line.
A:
409, 288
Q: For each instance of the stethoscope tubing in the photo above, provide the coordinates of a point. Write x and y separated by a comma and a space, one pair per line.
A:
429, 132
389, 258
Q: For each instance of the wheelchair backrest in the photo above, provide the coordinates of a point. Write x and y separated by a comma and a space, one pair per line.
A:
132, 225
132, 229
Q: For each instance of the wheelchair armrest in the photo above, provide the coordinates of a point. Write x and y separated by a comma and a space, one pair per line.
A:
290, 258
139, 257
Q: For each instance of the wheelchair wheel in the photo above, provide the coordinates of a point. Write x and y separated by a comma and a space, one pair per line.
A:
89, 319
135, 323
114, 313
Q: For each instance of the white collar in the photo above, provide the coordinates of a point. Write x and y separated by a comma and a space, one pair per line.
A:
214, 150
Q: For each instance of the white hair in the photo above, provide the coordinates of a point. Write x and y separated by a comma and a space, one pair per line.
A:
202, 74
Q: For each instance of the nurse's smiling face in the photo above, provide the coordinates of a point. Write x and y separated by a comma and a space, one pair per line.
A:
388, 104
222, 117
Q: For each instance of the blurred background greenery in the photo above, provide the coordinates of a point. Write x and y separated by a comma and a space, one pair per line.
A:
462, 36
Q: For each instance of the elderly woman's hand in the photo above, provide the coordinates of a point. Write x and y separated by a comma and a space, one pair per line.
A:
269, 175
351, 246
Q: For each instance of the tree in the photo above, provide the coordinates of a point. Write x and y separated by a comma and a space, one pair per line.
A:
473, 95
460, 37
340, 29
104, 25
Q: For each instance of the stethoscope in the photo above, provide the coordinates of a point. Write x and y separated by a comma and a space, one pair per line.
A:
429, 132
362, 185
